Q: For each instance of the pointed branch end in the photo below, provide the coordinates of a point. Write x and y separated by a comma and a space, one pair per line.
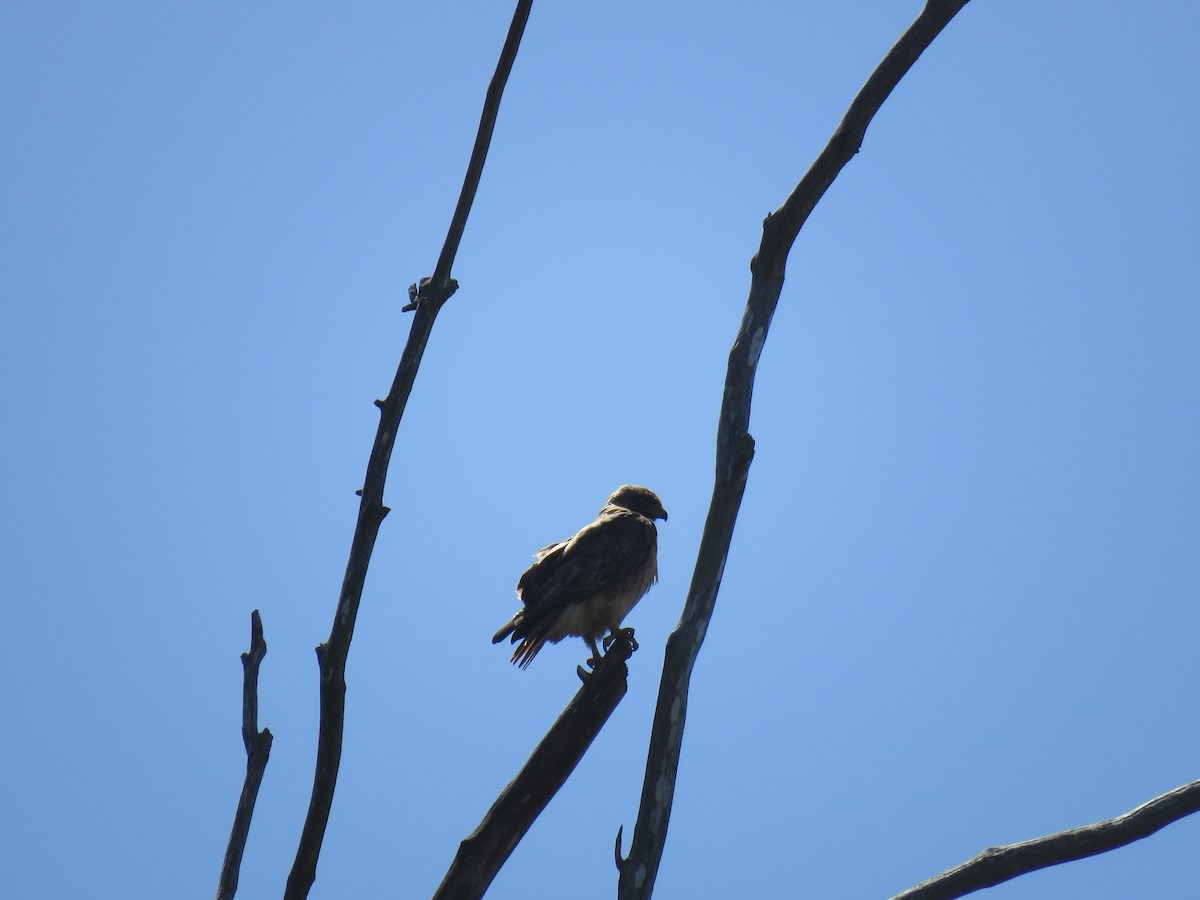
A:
617, 857
258, 644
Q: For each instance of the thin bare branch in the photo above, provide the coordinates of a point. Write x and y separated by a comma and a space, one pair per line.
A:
735, 447
482, 854
427, 299
258, 751
483, 140
999, 864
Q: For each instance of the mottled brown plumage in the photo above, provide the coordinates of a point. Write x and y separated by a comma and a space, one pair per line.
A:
586, 584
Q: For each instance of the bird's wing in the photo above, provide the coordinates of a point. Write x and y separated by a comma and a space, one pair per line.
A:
550, 548
596, 558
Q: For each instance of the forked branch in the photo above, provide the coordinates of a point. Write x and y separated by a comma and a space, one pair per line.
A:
735, 447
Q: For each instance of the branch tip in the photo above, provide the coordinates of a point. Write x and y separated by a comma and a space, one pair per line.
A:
258, 752
996, 865
482, 854
620, 860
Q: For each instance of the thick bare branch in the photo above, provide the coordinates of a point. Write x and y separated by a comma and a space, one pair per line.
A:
427, 300
258, 751
482, 854
735, 447
999, 864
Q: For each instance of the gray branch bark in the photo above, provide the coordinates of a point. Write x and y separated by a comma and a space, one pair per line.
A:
999, 864
427, 299
735, 447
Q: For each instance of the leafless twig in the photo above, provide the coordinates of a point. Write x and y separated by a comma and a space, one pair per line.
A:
258, 751
427, 299
735, 447
482, 854
999, 864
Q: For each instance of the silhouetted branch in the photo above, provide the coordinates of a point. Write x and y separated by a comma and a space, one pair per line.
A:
999, 864
427, 299
258, 751
440, 280
482, 854
735, 447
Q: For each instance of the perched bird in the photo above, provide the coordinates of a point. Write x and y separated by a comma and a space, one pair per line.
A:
586, 584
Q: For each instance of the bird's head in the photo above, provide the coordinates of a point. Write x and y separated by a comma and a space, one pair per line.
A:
640, 500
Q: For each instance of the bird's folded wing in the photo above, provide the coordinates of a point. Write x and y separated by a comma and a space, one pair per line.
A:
598, 557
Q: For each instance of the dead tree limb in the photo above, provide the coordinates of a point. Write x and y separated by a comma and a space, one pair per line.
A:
482, 854
735, 447
427, 299
258, 751
999, 864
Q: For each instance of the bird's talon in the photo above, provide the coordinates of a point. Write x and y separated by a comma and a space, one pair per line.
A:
623, 633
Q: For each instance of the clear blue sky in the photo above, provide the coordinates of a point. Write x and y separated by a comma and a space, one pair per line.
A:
961, 603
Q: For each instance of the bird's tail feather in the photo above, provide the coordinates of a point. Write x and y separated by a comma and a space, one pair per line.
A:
526, 651
507, 629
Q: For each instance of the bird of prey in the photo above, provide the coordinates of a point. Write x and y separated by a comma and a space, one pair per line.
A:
587, 584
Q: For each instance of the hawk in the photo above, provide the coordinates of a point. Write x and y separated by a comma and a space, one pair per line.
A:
586, 584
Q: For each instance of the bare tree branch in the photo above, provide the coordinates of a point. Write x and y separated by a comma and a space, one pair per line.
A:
735, 447
427, 299
999, 864
482, 854
258, 751
440, 280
